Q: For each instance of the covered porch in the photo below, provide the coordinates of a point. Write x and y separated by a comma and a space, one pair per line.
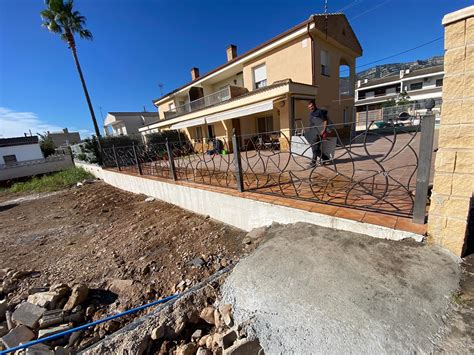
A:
268, 113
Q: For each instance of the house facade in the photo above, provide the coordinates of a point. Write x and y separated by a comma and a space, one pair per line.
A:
19, 149
64, 138
127, 123
267, 88
371, 95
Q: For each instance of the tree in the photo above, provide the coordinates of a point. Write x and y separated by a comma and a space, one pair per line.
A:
403, 99
59, 17
46, 144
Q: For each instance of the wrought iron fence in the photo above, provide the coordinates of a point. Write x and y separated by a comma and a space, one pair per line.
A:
374, 170
371, 171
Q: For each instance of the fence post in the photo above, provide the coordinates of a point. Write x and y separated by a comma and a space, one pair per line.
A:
136, 159
115, 156
424, 166
238, 162
171, 161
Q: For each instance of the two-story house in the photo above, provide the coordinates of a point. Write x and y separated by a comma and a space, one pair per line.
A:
419, 84
268, 87
127, 123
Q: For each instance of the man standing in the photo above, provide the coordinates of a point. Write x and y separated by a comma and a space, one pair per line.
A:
317, 132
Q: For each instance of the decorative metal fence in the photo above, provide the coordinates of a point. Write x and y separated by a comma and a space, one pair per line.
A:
375, 170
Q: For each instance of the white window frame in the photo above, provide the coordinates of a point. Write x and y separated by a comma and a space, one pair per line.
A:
263, 82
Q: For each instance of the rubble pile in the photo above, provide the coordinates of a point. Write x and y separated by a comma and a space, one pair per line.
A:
50, 310
194, 323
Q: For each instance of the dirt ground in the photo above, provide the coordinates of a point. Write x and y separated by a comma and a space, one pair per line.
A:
99, 235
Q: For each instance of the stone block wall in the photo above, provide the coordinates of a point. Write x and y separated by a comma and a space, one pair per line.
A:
453, 185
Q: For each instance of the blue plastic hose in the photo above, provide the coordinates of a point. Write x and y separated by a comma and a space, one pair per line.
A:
84, 326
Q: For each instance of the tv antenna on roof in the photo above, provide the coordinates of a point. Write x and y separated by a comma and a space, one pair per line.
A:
326, 17
161, 88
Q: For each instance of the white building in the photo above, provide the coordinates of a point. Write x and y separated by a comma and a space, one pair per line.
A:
127, 123
419, 85
19, 149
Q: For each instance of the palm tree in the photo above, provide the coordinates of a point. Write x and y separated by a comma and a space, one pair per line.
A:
59, 17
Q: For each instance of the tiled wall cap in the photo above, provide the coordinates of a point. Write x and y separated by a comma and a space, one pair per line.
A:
458, 15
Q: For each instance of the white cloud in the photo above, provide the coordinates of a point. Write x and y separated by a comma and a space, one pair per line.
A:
16, 124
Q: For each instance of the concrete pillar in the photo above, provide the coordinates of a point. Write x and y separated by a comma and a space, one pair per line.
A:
453, 185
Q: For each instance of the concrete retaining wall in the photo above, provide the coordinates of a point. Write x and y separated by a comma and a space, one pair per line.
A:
243, 213
36, 168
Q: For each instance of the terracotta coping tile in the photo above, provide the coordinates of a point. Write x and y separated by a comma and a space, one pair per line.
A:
405, 224
380, 219
347, 213
324, 209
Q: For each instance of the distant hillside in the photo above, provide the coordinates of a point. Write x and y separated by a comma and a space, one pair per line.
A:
381, 71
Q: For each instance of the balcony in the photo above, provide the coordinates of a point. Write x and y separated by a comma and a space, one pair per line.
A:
345, 87
215, 98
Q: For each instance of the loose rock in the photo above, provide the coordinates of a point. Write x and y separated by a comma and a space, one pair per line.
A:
226, 312
78, 295
187, 349
207, 314
203, 351
196, 335
203, 340
158, 332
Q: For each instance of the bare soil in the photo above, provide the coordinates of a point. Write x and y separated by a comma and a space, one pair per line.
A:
97, 234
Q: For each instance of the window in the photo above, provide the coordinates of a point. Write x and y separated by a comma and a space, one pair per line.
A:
198, 133
265, 124
171, 106
9, 159
361, 95
439, 82
416, 86
325, 60
260, 76
210, 131
380, 91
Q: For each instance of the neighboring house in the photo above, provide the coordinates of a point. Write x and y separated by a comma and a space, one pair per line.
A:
19, 149
127, 123
268, 87
64, 138
419, 85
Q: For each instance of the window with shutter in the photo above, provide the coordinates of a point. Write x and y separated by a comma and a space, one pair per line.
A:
325, 60
260, 76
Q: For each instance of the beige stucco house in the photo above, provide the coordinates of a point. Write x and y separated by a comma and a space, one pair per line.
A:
267, 88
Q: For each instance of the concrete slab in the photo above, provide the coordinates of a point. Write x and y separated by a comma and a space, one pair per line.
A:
20, 334
310, 289
28, 314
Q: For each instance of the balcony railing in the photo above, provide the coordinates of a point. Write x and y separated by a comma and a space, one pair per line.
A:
209, 100
345, 87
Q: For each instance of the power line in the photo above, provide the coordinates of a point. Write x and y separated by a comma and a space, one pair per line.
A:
370, 10
348, 6
397, 54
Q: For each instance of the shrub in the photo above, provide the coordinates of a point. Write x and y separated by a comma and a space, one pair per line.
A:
46, 144
172, 136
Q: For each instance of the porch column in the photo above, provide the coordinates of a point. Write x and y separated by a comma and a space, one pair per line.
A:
453, 186
285, 108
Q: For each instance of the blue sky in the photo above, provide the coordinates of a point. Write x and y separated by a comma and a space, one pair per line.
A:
141, 43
